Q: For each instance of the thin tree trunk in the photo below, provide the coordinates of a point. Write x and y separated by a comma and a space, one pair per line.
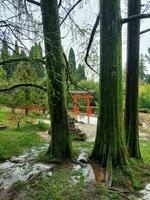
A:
109, 148
131, 101
55, 66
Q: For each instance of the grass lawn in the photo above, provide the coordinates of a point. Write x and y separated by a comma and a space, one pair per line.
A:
145, 150
14, 141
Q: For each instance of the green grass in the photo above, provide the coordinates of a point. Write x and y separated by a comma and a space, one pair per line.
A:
40, 126
145, 150
13, 142
60, 186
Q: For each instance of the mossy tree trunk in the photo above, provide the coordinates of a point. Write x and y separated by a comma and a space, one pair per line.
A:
109, 148
131, 101
60, 143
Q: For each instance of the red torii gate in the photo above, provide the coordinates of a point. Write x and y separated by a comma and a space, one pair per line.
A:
76, 94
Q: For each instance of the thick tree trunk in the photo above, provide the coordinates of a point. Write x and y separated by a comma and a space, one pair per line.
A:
55, 66
131, 101
109, 148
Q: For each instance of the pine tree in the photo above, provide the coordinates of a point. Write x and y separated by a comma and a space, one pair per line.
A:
148, 56
142, 68
24, 73
72, 65
36, 52
5, 55
109, 148
132, 78
81, 72
15, 55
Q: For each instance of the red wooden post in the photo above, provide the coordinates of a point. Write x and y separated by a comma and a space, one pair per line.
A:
88, 107
75, 108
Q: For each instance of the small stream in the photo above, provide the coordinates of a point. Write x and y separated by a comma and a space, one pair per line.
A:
87, 119
145, 193
22, 168
90, 172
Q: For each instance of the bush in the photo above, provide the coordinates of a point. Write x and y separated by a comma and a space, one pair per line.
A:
144, 97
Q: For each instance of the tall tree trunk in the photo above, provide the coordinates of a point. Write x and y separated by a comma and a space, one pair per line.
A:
131, 101
109, 148
55, 66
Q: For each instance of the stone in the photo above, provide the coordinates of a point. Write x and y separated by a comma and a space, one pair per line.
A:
2, 127
77, 134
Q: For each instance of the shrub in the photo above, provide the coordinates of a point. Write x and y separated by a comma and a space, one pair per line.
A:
144, 96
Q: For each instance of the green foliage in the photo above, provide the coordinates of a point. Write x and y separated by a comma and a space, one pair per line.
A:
23, 73
144, 96
148, 56
72, 65
90, 85
144, 146
5, 55
36, 52
147, 78
146, 75
3, 77
3, 83
142, 68
40, 126
16, 54
81, 72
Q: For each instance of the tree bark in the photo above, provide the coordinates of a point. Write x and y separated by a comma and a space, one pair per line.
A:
60, 143
109, 148
131, 100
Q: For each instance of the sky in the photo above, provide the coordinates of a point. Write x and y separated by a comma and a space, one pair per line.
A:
87, 15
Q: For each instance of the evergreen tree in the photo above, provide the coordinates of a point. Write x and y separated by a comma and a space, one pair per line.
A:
109, 148
148, 56
55, 67
3, 77
132, 78
72, 65
23, 54
3, 83
81, 72
142, 68
15, 55
36, 52
147, 76
26, 74
5, 55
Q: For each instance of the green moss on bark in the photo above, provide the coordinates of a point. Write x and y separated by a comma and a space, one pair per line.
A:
110, 141
55, 66
131, 101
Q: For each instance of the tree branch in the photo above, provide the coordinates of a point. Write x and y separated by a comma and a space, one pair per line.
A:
91, 41
70, 11
69, 78
23, 85
34, 2
145, 31
59, 4
141, 16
